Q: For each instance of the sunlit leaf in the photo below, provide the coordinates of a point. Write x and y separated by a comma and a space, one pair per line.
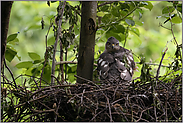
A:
25, 64
101, 14
73, 3
176, 20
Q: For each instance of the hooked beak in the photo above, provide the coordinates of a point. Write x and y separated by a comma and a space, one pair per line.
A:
112, 46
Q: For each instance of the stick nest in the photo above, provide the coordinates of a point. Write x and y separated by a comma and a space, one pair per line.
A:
139, 101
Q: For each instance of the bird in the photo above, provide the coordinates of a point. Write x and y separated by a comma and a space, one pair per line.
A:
115, 64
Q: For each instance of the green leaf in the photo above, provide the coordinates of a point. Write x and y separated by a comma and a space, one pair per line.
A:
101, 14
11, 37
104, 8
130, 22
65, 26
14, 42
73, 67
135, 30
47, 73
168, 9
106, 18
179, 8
10, 53
139, 23
109, 34
148, 5
124, 7
176, 20
38, 61
115, 12
34, 56
71, 77
33, 27
73, 3
25, 64
51, 41
118, 29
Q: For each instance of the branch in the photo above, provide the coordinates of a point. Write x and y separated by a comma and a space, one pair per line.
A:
10, 73
55, 45
160, 63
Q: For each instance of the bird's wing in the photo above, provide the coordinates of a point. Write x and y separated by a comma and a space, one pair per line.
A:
103, 63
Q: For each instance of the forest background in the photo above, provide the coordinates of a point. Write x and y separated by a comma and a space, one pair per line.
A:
147, 40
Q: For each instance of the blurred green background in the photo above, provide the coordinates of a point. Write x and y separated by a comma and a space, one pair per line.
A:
26, 19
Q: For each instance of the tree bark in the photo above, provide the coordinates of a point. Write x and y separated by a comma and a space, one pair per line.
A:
5, 16
87, 41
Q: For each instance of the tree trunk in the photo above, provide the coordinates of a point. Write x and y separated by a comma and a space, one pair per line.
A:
87, 41
5, 15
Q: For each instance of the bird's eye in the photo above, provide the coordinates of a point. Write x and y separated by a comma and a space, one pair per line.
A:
117, 44
108, 43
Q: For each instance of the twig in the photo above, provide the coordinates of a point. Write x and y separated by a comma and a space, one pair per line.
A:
57, 38
56, 79
142, 112
121, 18
155, 64
56, 86
46, 54
10, 73
111, 120
160, 65
50, 110
102, 4
70, 62
57, 110
36, 84
61, 59
97, 114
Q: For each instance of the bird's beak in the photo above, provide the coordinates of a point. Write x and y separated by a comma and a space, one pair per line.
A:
112, 46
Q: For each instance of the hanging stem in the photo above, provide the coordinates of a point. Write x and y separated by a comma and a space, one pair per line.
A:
61, 59
66, 63
61, 11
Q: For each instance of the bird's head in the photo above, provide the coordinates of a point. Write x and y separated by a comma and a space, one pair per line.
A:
112, 45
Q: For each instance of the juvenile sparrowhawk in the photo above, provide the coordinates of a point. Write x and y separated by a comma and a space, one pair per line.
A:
115, 64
